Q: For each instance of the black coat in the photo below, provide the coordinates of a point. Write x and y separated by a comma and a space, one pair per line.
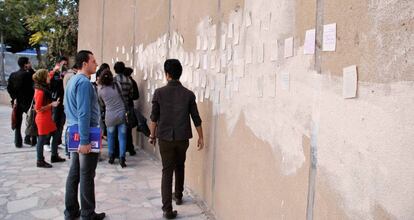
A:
20, 88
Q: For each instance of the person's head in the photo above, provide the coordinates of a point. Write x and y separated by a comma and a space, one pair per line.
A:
128, 71
41, 76
104, 66
173, 69
24, 63
62, 61
106, 78
85, 61
119, 67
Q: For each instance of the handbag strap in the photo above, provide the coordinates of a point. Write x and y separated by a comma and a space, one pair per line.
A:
122, 97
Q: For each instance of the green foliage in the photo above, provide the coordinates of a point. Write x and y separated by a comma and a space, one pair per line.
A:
50, 22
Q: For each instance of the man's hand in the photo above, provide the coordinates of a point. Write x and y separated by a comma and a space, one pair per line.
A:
85, 149
200, 144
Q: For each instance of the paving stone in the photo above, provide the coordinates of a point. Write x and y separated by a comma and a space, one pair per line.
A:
27, 191
46, 213
23, 204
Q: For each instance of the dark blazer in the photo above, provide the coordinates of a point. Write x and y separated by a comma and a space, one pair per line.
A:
20, 88
172, 106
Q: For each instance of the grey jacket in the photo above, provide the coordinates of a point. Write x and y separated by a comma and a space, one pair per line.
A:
114, 106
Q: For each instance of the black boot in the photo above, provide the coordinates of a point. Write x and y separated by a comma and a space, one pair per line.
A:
57, 159
122, 162
43, 164
111, 159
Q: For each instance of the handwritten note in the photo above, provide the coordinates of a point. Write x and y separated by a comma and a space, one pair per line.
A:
309, 47
329, 37
350, 80
274, 51
289, 47
285, 80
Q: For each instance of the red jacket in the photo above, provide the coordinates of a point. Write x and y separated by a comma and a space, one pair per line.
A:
44, 121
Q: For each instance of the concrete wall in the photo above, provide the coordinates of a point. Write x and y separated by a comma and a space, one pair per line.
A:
275, 152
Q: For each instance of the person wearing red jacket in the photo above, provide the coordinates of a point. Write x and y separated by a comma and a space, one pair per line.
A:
45, 124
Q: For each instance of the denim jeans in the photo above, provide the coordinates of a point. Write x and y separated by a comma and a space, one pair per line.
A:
119, 130
42, 140
81, 172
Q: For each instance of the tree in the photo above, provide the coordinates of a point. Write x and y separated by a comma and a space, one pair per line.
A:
57, 26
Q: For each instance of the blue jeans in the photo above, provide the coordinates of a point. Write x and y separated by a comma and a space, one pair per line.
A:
121, 129
42, 140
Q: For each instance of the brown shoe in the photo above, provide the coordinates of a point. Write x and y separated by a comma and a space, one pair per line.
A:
43, 164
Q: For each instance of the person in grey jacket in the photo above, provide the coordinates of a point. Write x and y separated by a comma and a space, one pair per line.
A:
110, 96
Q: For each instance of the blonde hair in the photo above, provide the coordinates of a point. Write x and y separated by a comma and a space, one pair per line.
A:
40, 76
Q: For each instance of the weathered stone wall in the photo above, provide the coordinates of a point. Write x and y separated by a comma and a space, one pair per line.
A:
262, 138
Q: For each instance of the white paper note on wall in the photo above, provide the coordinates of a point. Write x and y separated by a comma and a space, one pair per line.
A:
260, 85
197, 61
223, 42
285, 80
207, 93
248, 19
230, 30
236, 35
274, 50
205, 61
198, 46
260, 53
123, 50
309, 47
213, 43
329, 37
148, 97
289, 47
350, 81
205, 43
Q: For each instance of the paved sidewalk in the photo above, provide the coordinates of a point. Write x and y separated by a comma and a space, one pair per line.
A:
28, 192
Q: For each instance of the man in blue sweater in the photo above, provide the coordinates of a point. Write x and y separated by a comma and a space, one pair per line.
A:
81, 109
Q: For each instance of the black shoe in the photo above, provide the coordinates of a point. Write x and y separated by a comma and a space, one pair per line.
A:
178, 201
27, 141
132, 152
111, 160
170, 214
57, 159
98, 216
122, 162
19, 146
43, 164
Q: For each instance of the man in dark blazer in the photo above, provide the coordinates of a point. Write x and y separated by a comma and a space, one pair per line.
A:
172, 106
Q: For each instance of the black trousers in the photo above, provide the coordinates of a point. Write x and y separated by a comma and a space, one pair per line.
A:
173, 154
81, 173
17, 132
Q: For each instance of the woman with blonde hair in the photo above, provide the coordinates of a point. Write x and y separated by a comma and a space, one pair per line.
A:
45, 125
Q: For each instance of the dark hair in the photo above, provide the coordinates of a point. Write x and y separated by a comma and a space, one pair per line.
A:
128, 71
62, 58
104, 66
75, 66
106, 78
119, 67
82, 56
173, 68
22, 61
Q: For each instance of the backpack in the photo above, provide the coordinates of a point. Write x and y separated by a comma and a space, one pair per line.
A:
135, 91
